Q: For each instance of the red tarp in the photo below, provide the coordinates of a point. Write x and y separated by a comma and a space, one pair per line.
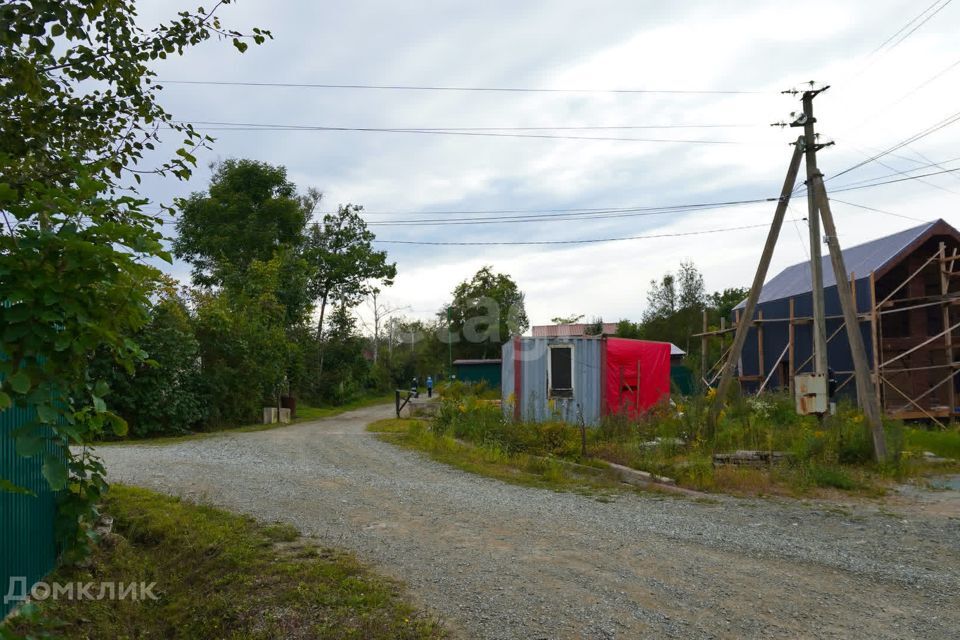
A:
625, 360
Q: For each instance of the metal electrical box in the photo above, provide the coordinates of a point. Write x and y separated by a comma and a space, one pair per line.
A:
811, 393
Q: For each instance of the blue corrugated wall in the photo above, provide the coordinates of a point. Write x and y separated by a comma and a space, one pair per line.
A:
28, 547
535, 403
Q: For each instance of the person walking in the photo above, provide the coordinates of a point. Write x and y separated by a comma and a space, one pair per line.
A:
413, 387
429, 386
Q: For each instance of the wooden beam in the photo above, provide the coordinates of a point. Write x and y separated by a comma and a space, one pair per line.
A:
761, 365
909, 278
911, 401
791, 336
922, 344
874, 338
948, 338
703, 348
865, 391
742, 327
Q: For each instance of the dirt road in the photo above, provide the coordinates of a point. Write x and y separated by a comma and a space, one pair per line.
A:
500, 561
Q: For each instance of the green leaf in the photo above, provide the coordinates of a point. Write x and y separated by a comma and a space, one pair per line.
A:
47, 413
99, 405
9, 487
118, 424
101, 388
28, 445
20, 382
4, 401
55, 471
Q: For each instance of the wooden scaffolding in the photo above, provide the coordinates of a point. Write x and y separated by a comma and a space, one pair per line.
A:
912, 323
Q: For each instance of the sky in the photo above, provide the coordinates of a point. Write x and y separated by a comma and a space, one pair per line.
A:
882, 91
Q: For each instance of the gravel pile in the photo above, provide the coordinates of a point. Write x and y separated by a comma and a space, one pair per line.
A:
494, 560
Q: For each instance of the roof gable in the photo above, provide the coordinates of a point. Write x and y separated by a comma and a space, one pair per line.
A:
859, 260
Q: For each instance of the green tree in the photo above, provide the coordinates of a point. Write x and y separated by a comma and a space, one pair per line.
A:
344, 266
78, 111
721, 303
244, 347
250, 212
486, 310
164, 394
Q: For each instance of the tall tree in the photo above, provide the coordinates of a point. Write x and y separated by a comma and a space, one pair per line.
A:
344, 265
486, 310
78, 113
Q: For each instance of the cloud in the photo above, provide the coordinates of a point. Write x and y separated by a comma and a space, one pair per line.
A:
752, 45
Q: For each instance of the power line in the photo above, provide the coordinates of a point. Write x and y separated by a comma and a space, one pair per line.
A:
889, 213
904, 172
918, 25
236, 126
914, 138
585, 241
923, 17
392, 87
877, 184
587, 215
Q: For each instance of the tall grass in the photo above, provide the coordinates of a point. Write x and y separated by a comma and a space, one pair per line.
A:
671, 440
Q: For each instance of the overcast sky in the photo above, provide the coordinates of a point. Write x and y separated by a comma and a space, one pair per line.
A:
761, 47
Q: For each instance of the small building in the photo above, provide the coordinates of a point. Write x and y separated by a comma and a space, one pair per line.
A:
475, 371
906, 290
582, 378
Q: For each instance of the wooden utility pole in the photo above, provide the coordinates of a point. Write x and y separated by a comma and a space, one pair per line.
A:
810, 146
746, 318
866, 391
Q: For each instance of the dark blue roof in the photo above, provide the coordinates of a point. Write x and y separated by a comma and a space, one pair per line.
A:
860, 260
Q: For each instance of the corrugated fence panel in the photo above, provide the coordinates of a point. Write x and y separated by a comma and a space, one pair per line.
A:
28, 548
535, 403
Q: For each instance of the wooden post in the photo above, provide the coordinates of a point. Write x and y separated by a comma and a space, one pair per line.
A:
791, 372
865, 389
743, 327
948, 337
856, 308
761, 365
875, 337
703, 349
819, 330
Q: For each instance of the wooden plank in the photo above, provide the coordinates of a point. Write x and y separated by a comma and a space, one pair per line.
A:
761, 364
703, 348
865, 391
874, 338
948, 337
791, 336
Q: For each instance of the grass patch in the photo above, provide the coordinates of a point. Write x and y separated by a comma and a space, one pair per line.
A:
221, 575
493, 461
820, 458
305, 413
945, 443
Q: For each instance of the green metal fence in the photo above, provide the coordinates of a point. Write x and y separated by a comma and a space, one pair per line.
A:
28, 548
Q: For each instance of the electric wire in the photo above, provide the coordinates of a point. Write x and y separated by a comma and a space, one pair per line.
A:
889, 213
560, 242
394, 87
449, 132
951, 119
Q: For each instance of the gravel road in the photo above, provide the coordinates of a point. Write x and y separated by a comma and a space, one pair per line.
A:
494, 560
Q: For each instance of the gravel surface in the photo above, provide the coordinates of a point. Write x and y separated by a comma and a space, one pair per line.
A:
494, 560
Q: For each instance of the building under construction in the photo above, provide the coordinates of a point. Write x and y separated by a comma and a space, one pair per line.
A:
906, 291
